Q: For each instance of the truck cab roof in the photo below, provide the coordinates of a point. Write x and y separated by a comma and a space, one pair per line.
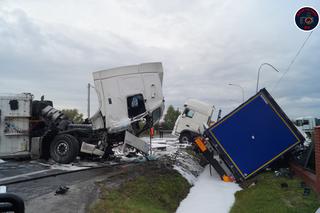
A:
152, 67
199, 106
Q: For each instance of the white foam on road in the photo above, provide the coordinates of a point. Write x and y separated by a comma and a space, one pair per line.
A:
187, 175
3, 189
68, 167
187, 166
209, 194
71, 166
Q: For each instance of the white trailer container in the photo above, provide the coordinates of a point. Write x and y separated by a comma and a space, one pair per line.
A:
15, 113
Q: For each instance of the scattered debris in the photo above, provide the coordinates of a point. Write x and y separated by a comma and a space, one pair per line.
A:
283, 172
61, 190
3, 189
131, 155
253, 184
151, 158
177, 154
187, 165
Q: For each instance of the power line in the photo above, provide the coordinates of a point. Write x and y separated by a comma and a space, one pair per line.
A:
293, 60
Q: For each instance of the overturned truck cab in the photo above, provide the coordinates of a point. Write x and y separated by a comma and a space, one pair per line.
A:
130, 102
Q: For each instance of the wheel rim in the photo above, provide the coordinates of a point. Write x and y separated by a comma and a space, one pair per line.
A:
184, 139
62, 148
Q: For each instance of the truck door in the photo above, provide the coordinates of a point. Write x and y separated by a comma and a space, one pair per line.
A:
152, 90
187, 121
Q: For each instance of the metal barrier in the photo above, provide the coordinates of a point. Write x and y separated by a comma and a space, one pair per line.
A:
11, 203
162, 132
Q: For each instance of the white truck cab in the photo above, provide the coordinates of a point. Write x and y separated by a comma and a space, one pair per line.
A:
127, 94
307, 124
191, 121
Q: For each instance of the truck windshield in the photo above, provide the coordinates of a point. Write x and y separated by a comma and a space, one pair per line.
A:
188, 112
135, 105
298, 122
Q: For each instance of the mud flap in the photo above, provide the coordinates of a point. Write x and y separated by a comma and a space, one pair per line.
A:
136, 142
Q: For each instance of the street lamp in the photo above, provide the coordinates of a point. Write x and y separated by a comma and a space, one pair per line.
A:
270, 65
237, 85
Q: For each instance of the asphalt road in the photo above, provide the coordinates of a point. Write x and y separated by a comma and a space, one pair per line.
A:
15, 171
13, 168
39, 195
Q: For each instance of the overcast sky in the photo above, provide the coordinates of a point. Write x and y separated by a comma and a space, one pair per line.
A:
52, 48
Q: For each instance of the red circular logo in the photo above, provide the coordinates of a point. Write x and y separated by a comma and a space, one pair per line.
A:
307, 18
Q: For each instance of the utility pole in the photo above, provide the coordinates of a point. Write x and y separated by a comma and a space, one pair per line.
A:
88, 107
242, 89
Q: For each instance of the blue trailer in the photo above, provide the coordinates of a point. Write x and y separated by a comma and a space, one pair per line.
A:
250, 137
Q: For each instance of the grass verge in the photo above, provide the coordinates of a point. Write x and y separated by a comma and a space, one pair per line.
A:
148, 193
268, 196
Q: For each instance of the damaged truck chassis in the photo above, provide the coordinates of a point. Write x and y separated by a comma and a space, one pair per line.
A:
130, 102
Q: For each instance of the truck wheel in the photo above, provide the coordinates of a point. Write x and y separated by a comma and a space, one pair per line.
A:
64, 148
185, 137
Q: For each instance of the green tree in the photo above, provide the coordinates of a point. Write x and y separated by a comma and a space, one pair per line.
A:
74, 115
170, 117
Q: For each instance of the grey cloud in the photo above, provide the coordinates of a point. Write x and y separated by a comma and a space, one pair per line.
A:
204, 45
49, 62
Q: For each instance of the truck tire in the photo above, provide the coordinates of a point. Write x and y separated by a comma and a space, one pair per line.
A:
64, 148
185, 137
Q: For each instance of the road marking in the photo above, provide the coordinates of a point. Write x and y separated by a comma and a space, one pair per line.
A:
24, 175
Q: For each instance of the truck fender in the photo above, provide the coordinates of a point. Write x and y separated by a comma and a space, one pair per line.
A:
187, 136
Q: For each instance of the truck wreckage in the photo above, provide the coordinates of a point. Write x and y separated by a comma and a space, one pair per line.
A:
248, 139
239, 145
130, 100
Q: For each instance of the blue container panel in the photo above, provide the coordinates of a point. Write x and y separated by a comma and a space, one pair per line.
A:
253, 135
